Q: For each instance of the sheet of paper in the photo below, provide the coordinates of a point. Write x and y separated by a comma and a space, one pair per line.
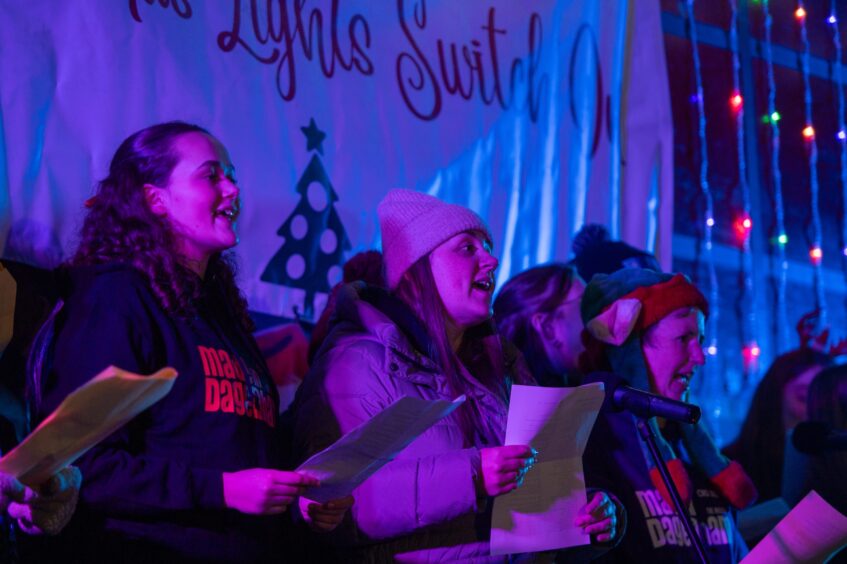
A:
539, 515
809, 533
367, 448
87, 416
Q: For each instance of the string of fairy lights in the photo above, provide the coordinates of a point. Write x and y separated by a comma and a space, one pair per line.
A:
743, 223
772, 118
816, 252
709, 215
832, 20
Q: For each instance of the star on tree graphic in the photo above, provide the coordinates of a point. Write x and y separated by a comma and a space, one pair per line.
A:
314, 238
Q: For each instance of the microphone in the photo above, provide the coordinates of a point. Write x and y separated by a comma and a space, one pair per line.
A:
644, 404
814, 437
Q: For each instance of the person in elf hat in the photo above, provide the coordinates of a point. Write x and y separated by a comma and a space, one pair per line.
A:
429, 335
646, 327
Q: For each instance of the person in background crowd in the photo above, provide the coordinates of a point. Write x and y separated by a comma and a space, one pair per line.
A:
198, 475
367, 267
778, 404
429, 336
646, 328
596, 253
538, 311
823, 471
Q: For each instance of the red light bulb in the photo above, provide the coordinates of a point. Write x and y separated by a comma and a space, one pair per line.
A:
736, 101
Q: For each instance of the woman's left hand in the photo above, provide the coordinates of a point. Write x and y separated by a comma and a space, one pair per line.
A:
324, 517
48, 508
597, 518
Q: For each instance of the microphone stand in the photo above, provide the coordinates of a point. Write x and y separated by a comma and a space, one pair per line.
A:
649, 439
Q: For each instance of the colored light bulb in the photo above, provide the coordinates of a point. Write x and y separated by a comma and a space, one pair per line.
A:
742, 226
800, 13
736, 101
712, 350
809, 132
710, 221
775, 116
842, 135
816, 254
832, 19
782, 239
751, 353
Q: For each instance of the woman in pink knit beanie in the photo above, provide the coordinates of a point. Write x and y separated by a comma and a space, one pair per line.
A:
428, 335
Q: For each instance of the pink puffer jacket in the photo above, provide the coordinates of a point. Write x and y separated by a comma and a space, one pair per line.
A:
421, 507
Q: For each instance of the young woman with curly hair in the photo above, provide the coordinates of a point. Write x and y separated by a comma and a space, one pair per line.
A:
197, 476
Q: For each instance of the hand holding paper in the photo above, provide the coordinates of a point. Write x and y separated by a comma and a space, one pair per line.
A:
540, 515
324, 517
87, 416
503, 468
371, 445
263, 491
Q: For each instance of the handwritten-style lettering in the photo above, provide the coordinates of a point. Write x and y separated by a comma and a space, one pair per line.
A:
277, 36
181, 7
467, 70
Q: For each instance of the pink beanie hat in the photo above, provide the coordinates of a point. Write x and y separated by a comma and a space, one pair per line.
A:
414, 223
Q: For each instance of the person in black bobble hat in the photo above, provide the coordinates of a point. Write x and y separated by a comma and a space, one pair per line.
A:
596, 253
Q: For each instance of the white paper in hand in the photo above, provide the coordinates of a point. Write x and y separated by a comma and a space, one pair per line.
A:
539, 515
810, 532
370, 446
87, 416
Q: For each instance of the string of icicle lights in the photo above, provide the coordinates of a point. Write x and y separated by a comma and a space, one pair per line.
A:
815, 253
773, 117
743, 224
709, 216
842, 129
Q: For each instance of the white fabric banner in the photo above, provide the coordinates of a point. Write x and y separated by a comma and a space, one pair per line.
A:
540, 116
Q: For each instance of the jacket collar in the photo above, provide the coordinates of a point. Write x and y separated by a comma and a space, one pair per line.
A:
391, 322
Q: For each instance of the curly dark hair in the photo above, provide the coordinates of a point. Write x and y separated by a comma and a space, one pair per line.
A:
120, 227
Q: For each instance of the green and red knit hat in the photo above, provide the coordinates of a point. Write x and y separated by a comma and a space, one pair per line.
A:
617, 309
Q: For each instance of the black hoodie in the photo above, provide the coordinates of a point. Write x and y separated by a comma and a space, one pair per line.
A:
154, 489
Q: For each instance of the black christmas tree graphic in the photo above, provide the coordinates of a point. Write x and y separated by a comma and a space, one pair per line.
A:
314, 238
